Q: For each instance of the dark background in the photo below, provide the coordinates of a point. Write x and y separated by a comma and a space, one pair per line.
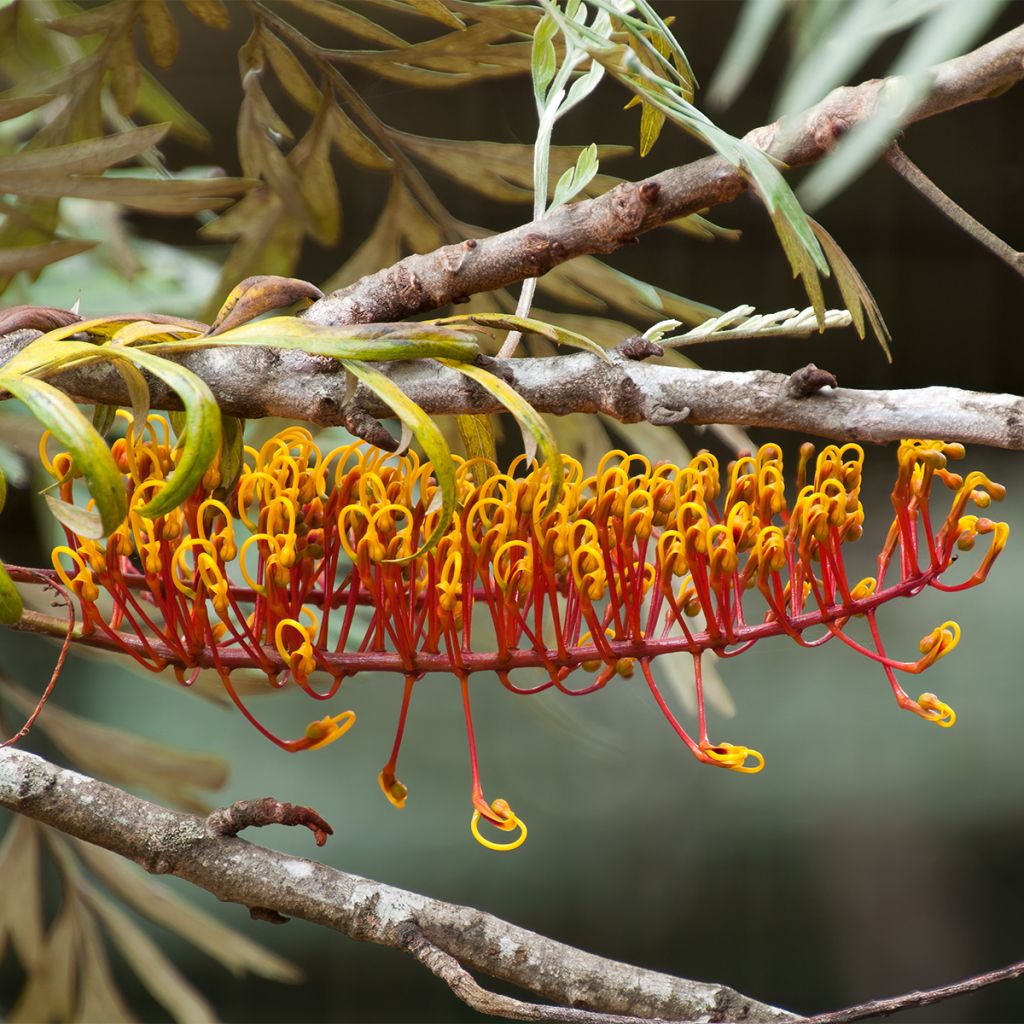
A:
874, 854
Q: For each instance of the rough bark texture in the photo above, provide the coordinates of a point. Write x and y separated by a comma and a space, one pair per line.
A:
169, 842
266, 384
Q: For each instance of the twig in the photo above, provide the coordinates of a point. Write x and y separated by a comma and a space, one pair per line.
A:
41, 576
596, 226
170, 842
242, 814
913, 175
882, 1007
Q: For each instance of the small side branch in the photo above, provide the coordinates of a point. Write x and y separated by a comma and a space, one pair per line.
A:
229, 821
883, 1007
913, 175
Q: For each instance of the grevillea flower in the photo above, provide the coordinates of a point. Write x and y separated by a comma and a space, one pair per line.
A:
617, 568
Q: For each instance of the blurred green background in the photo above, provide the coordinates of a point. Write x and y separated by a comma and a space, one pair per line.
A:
873, 855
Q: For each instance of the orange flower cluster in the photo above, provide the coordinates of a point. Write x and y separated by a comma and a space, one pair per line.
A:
313, 567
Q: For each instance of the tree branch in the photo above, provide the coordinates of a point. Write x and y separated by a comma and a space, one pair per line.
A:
427, 281
916, 178
169, 842
267, 383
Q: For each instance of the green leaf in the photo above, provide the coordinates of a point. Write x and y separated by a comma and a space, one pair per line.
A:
377, 342
542, 57
11, 605
652, 121
856, 295
103, 417
90, 452
508, 322
477, 435
574, 180
232, 447
202, 427
425, 431
536, 433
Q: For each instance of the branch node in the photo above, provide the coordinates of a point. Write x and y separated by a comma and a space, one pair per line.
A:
808, 381
229, 821
267, 914
362, 424
638, 347
667, 416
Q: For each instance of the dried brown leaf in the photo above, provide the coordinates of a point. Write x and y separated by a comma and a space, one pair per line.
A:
151, 195
30, 258
498, 170
99, 1000
160, 32
211, 12
164, 981
258, 295
354, 143
21, 916
349, 20
38, 318
290, 72
49, 990
89, 157
125, 73
162, 906
101, 750
318, 188
15, 106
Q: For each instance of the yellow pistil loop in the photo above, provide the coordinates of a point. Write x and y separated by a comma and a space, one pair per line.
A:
725, 755
223, 539
512, 569
449, 587
254, 539
326, 730
82, 584
507, 824
300, 659
936, 711
179, 570
865, 588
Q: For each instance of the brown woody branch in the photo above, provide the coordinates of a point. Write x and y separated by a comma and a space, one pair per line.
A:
289, 384
444, 936
427, 281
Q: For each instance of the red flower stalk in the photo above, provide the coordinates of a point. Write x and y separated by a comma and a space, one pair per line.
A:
316, 563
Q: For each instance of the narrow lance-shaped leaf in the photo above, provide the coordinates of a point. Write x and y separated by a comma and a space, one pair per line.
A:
424, 430
378, 342
508, 322
536, 433
202, 428
90, 452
